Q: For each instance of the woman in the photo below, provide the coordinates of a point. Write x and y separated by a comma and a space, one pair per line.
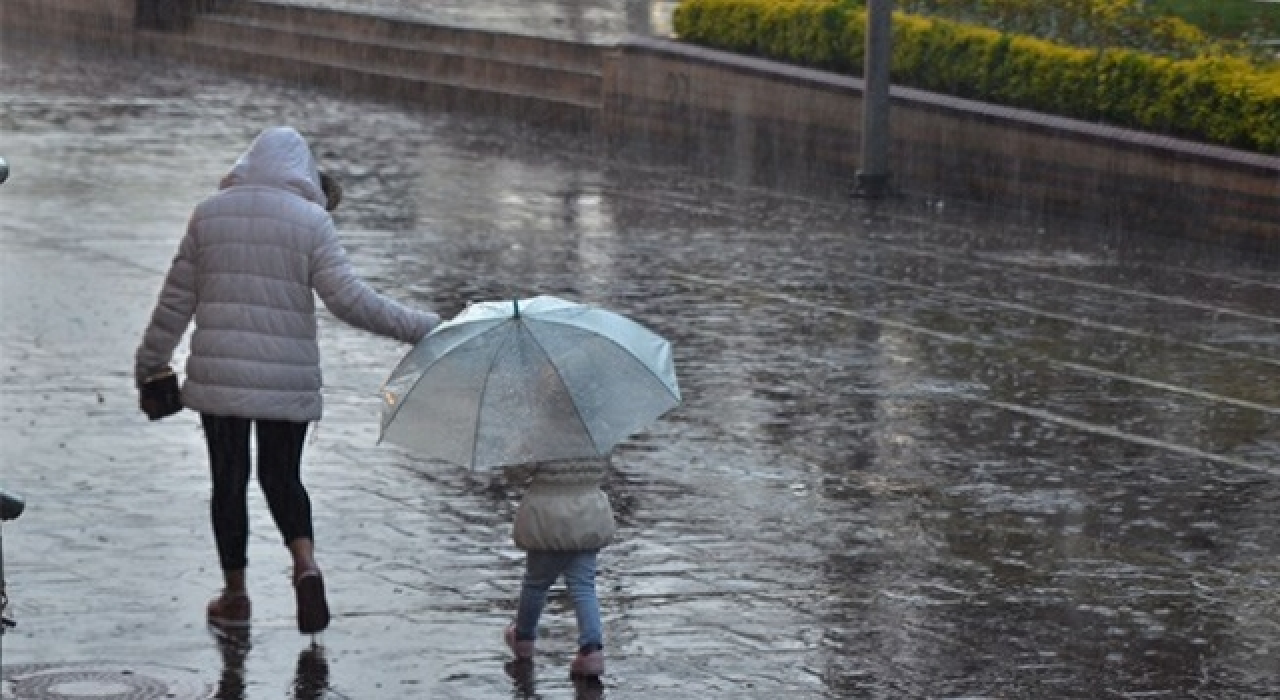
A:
254, 257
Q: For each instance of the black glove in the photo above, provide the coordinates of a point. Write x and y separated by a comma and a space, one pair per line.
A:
160, 395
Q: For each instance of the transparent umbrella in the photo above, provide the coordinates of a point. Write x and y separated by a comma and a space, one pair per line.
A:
518, 381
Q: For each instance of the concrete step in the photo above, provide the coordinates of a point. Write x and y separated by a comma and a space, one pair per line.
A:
447, 64
528, 49
403, 84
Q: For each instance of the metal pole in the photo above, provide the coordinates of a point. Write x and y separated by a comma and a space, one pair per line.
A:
873, 177
11, 506
4, 604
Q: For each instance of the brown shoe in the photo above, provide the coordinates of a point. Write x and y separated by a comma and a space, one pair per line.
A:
589, 664
313, 609
230, 610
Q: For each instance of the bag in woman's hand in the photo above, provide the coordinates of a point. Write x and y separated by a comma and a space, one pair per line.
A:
160, 395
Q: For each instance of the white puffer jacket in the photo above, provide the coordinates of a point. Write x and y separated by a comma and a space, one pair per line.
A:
246, 270
564, 509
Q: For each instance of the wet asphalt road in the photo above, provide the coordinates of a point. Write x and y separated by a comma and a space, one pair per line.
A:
923, 454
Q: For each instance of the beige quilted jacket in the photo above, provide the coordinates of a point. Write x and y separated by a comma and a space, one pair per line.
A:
564, 508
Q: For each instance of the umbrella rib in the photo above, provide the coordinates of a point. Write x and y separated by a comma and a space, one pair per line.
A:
581, 421
395, 411
648, 370
493, 359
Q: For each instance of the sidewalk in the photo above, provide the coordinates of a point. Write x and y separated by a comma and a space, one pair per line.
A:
110, 567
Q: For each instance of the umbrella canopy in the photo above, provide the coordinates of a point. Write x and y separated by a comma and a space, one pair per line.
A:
512, 382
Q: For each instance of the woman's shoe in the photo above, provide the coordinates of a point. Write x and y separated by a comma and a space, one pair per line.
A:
230, 610
313, 609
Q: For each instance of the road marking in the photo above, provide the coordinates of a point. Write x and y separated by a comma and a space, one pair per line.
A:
1027, 410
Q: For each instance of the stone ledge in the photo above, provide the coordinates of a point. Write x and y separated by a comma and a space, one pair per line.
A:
447, 64
763, 122
747, 119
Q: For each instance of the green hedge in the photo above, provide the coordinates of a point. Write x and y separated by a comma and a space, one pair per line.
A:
1216, 99
1091, 24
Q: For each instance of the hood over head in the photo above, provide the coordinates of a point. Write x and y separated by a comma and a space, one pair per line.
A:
278, 157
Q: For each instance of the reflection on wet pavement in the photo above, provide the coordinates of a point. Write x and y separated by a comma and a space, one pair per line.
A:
524, 683
234, 647
923, 453
310, 678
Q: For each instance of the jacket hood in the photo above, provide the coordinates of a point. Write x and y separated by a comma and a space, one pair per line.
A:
278, 157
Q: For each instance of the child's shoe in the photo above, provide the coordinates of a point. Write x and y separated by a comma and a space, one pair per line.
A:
522, 648
587, 664
230, 610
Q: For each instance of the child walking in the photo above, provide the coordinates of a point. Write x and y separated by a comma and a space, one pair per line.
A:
562, 523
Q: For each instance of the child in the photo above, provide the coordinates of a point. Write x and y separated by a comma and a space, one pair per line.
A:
562, 522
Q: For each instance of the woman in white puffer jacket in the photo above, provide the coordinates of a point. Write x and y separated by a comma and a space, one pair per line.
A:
254, 257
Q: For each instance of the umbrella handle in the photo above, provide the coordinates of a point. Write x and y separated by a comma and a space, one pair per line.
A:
515, 308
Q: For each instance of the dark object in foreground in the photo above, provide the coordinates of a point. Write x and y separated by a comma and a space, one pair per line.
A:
313, 609
11, 505
332, 191
160, 396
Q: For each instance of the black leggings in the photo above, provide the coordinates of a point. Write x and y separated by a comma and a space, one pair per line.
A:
279, 473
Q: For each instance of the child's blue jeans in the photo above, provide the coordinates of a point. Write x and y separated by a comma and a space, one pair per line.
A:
541, 569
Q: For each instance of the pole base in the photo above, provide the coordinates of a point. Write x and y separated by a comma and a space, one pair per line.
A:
869, 186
